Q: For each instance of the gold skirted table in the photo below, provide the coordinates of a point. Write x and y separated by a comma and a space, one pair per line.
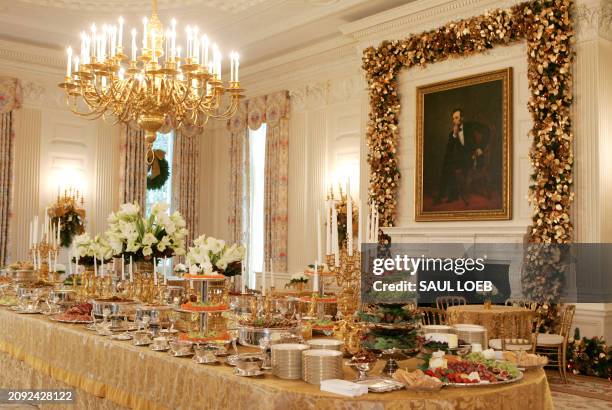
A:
38, 353
492, 319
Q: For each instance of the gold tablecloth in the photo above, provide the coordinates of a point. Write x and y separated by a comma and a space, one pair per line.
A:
139, 378
492, 319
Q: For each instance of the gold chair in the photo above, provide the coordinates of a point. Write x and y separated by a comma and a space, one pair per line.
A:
555, 344
433, 316
443, 302
517, 333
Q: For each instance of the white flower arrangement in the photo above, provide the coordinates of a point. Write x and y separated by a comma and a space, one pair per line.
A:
180, 268
214, 255
158, 235
88, 248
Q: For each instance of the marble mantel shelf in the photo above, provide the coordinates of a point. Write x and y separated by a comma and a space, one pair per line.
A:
458, 233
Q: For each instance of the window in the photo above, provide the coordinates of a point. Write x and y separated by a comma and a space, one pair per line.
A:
164, 142
257, 161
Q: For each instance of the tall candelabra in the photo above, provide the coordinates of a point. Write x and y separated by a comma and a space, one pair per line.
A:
348, 278
41, 254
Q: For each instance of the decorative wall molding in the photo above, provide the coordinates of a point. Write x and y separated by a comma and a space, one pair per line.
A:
332, 91
593, 19
41, 94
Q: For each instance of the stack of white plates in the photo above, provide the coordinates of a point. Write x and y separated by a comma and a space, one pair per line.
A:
329, 344
471, 333
321, 364
287, 360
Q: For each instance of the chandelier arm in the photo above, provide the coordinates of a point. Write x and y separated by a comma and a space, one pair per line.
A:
229, 112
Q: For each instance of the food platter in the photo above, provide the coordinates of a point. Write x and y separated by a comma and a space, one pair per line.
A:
485, 383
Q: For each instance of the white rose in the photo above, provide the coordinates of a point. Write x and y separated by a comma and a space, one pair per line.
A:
146, 251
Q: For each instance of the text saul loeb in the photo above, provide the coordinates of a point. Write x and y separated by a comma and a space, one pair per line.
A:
412, 265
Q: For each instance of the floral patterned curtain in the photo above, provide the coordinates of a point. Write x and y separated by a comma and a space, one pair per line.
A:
277, 168
273, 109
185, 177
10, 100
238, 219
133, 180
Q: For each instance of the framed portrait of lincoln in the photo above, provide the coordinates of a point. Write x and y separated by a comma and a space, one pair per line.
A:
464, 137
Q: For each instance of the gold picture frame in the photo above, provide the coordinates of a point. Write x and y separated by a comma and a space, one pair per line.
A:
470, 177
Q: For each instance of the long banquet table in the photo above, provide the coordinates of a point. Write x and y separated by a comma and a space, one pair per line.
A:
38, 353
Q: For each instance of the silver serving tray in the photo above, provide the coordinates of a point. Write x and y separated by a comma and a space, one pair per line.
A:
250, 336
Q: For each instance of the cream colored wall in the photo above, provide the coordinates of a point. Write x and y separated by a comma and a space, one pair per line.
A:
49, 139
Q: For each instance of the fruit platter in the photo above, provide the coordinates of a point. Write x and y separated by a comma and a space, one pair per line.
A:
471, 370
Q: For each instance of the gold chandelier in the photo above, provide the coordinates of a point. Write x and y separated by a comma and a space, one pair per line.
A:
156, 86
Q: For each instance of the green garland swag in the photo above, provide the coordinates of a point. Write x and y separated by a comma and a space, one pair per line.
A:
157, 182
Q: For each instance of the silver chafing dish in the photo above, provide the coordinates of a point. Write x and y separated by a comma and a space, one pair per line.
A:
250, 336
26, 290
158, 314
173, 293
22, 275
117, 306
63, 297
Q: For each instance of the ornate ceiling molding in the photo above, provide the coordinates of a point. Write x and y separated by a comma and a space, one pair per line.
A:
232, 6
49, 59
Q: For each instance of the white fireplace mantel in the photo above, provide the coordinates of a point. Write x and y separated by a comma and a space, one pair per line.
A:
447, 233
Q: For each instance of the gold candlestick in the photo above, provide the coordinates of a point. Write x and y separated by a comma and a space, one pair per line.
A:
348, 278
